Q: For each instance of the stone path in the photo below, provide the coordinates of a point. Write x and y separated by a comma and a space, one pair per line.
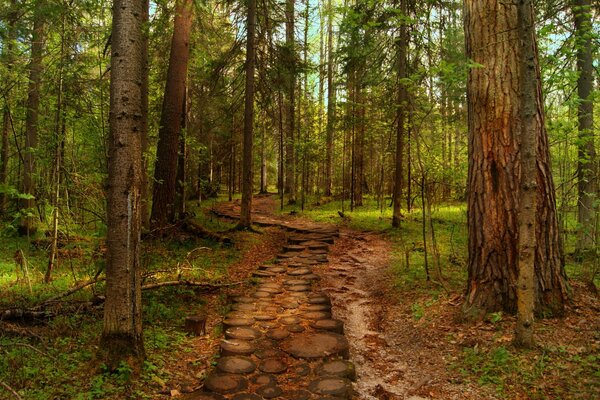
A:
281, 340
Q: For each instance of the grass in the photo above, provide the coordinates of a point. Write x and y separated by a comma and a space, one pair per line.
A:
57, 360
551, 371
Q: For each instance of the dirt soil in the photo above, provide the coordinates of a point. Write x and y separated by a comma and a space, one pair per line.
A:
398, 356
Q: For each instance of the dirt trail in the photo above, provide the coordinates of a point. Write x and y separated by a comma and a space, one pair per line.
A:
355, 279
358, 282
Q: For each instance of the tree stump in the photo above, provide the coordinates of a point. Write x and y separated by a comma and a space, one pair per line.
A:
196, 325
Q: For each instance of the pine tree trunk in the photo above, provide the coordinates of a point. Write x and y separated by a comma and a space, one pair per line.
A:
290, 170
27, 223
494, 170
247, 176
8, 48
527, 200
586, 163
145, 190
165, 170
122, 338
330, 103
402, 44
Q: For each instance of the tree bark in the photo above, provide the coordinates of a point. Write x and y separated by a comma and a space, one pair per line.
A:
245, 221
494, 170
145, 190
527, 199
122, 338
402, 44
330, 102
165, 170
586, 163
290, 148
27, 222
8, 59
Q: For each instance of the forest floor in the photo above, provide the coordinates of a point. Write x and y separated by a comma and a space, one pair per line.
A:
407, 338
408, 341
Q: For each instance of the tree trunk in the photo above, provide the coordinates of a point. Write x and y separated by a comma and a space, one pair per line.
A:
263, 160
494, 170
402, 44
8, 60
180, 196
247, 176
586, 162
527, 199
122, 338
290, 150
330, 102
165, 170
27, 224
145, 190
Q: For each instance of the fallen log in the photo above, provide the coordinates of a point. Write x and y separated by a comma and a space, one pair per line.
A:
204, 285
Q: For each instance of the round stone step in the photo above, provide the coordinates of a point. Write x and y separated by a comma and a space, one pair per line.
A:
295, 328
263, 274
289, 304
243, 307
237, 347
318, 307
299, 288
316, 315
277, 334
231, 322
242, 332
273, 366
312, 277
263, 379
285, 255
331, 325
311, 345
261, 295
299, 271
264, 317
339, 368
236, 365
293, 248
276, 270
271, 290
294, 282
269, 391
331, 386
301, 369
225, 383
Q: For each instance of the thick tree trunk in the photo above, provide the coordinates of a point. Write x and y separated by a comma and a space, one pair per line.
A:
586, 163
27, 223
122, 338
247, 176
330, 103
290, 167
527, 181
402, 44
494, 170
165, 170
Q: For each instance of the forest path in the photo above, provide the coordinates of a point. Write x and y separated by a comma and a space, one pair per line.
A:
281, 338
